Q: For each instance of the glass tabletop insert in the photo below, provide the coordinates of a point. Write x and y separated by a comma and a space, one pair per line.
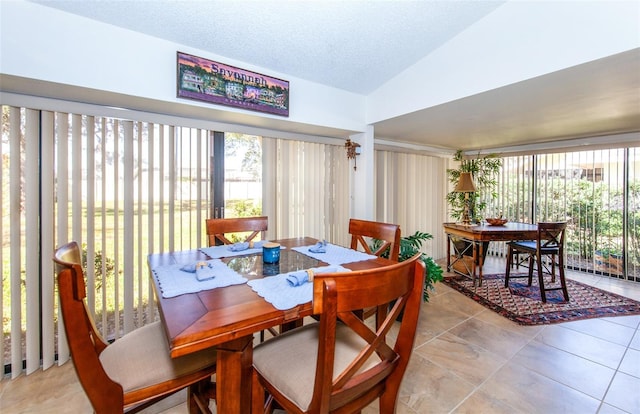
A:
252, 266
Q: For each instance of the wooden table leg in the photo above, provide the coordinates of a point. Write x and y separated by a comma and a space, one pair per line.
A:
233, 376
480, 263
448, 252
473, 265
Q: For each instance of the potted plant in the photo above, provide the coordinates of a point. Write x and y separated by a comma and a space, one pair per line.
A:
484, 171
409, 247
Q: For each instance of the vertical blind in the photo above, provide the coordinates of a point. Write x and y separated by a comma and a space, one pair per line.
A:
597, 192
410, 191
305, 190
123, 189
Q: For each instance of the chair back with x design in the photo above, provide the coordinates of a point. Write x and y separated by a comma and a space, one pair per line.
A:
342, 364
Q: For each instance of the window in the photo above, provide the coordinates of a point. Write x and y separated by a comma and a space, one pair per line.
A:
598, 192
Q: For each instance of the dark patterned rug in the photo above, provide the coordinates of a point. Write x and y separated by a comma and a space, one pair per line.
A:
521, 303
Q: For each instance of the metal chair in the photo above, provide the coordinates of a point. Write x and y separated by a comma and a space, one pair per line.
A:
549, 243
135, 371
341, 364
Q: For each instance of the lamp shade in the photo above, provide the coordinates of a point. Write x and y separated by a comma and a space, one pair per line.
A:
465, 183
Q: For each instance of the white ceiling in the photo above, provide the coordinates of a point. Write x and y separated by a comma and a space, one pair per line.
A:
359, 45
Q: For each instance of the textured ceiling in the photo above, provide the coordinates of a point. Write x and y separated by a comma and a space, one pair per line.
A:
352, 45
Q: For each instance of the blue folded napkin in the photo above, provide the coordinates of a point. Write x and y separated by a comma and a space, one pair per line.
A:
320, 247
238, 247
191, 267
300, 277
205, 272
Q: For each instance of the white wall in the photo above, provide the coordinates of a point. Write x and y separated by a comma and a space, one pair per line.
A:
47, 44
524, 39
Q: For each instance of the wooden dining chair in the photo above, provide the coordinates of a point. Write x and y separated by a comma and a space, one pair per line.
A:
340, 364
363, 232
549, 243
218, 229
385, 236
134, 371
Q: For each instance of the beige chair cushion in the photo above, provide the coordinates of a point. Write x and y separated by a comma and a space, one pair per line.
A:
141, 358
289, 360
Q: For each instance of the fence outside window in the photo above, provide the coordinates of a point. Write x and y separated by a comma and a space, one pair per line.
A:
598, 192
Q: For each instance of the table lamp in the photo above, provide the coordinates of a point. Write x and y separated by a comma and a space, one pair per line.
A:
466, 186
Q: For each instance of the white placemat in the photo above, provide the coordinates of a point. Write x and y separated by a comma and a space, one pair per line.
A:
335, 255
218, 252
173, 281
278, 292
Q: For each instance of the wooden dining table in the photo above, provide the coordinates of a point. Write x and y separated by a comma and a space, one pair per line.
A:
225, 319
477, 236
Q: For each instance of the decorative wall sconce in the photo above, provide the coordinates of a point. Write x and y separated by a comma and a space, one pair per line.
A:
353, 150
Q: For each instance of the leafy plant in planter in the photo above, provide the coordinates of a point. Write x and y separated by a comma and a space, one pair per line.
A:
409, 247
484, 171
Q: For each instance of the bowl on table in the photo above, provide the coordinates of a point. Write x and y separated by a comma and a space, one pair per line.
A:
496, 221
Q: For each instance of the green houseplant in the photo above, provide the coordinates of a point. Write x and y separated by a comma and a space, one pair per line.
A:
484, 171
409, 247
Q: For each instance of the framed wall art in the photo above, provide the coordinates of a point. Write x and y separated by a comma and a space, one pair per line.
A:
214, 82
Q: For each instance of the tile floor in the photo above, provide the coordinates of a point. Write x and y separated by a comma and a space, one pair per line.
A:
467, 360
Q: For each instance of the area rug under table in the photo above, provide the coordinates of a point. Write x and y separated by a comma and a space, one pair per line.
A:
521, 303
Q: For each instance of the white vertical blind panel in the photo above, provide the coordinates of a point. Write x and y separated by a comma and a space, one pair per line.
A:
15, 234
179, 151
304, 158
161, 185
379, 168
76, 178
407, 184
283, 188
328, 201
3, 185
320, 179
269, 185
341, 183
405, 200
103, 214
139, 233
172, 189
312, 210
128, 225
90, 163
151, 202
32, 207
46, 229
62, 211
116, 227
340, 186
200, 180
294, 187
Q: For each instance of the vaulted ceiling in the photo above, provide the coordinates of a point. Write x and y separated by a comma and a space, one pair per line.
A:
360, 45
